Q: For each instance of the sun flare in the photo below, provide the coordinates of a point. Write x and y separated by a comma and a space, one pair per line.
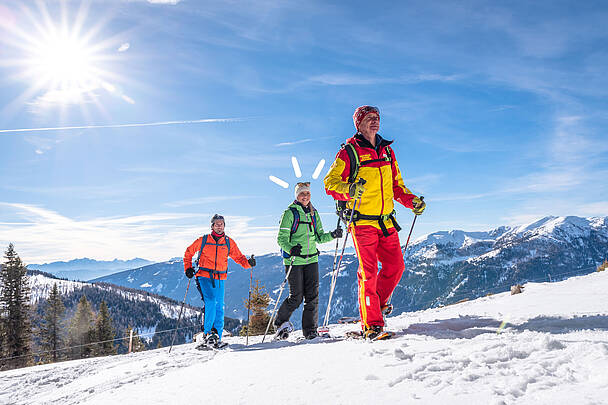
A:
64, 62
60, 55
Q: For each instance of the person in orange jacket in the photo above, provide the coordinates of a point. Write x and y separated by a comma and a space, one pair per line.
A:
374, 229
211, 272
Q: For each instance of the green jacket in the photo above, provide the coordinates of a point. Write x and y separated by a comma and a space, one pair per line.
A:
304, 235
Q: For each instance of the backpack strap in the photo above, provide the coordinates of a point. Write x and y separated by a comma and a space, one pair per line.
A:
227, 239
200, 252
296, 221
353, 157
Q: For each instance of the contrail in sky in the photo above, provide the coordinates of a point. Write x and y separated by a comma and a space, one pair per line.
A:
145, 124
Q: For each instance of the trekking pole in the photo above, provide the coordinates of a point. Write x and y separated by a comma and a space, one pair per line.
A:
388, 302
249, 306
337, 243
180, 315
279, 298
336, 269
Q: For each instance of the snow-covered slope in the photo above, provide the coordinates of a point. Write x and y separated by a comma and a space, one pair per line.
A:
548, 345
41, 287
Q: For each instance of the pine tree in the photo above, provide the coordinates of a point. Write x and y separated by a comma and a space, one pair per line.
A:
15, 311
82, 330
136, 344
104, 333
259, 317
52, 328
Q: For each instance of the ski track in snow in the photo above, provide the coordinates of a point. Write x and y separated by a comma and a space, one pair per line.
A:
548, 345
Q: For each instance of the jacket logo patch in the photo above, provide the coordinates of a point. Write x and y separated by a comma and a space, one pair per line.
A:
365, 157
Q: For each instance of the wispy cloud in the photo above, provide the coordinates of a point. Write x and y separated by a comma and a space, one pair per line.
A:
206, 200
41, 144
147, 124
170, 2
344, 79
161, 170
43, 235
294, 142
63, 97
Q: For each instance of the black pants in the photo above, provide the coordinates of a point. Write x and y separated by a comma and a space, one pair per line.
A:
303, 284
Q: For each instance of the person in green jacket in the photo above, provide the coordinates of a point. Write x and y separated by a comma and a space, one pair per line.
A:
300, 240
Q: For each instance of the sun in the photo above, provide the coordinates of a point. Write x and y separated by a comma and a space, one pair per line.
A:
60, 61
60, 56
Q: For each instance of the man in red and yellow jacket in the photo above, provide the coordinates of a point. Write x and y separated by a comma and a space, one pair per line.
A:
212, 270
368, 156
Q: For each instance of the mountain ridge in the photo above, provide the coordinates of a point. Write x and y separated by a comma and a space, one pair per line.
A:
441, 267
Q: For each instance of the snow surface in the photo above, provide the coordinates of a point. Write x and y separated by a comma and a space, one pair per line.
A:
553, 350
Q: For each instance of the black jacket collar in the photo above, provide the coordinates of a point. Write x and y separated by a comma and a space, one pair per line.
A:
364, 143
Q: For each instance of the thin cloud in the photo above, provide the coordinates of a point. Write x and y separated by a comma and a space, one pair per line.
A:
147, 124
43, 235
170, 2
341, 79
294, 142
124, 47
206, 200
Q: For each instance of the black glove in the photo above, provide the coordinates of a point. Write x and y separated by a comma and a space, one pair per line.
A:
189, 272
296, 250
337, 233
251, 261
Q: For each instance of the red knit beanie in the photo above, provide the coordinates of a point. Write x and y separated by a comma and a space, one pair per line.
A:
361, 112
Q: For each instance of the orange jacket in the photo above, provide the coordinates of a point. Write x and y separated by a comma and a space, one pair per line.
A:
384, 182
214, 257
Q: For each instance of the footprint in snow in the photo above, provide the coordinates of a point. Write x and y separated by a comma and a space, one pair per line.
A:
401, 355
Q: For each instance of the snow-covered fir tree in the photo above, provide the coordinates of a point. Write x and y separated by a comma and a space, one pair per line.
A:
15, 311
52, 328
82, 330
104, 332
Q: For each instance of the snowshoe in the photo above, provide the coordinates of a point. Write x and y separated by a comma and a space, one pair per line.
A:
372, 334
216, 346
283, 331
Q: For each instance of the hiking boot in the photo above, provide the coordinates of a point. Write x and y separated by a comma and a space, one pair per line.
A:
311, 335
386, 309
283, 331
372, 332
211, 338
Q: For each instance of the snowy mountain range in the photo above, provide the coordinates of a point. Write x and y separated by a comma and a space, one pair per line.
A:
87, 269
547, 345
152, 315
441, 268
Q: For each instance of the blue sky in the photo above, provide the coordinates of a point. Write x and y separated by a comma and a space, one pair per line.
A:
498, 111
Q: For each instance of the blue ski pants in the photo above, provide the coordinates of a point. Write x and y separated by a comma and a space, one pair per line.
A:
214, 304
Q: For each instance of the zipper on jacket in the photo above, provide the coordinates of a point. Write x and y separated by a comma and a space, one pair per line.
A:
215, 264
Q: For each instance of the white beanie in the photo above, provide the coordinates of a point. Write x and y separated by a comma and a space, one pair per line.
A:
300, 188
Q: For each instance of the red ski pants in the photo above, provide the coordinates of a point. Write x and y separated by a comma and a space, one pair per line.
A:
375, 288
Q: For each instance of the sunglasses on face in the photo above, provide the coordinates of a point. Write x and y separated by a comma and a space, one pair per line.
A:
305, 183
